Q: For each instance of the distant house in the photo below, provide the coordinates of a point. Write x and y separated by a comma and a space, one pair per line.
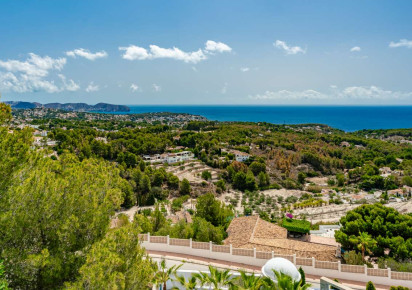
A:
345, 144
385, 171
240, 156
169, 157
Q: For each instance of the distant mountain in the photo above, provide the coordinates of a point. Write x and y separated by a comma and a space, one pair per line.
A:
80, 107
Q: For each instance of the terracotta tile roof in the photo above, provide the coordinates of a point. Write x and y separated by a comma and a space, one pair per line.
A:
253, 232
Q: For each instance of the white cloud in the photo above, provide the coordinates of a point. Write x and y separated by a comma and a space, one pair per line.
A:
401, 43
355, 49
133, 52
290, 95
34, 66
92, 87
244, 69
81, 52
289, 49
69, 85
134, 88
213, 46
353, 93
30, 75
156, 88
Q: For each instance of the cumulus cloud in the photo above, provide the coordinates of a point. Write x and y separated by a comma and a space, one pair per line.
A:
213, 46
401, 43
134, 88
354, 93
289, 49
30, 75
85, 53
244, 69
133, 52
156, 88
69, 85
355, 49
92, 87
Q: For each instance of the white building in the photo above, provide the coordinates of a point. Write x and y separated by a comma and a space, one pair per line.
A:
169, 157
240, 156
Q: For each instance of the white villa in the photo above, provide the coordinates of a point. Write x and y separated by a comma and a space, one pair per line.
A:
240, 156
169, 157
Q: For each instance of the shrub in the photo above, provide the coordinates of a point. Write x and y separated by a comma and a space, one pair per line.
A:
299, 226
370, 286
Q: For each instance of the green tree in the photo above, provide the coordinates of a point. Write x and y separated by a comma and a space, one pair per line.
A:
116, 262
189, 283
302, 276
185, 188
165, 274
68, 208
257, 167
216, 279
249, 281
213, 210
3, 282
206, 175
301, 177
145, 184
370, 286
365, 242
158, 219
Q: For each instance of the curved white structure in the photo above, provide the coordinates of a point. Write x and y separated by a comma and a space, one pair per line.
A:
280, 265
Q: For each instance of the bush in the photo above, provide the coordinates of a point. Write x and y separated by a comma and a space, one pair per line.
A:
299, 226
353, 258
370, 286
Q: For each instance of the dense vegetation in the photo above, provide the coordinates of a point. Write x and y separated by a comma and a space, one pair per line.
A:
378, 231
56, 209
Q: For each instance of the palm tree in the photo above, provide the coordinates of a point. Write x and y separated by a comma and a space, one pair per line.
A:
165, 274
190, 283
250, 281
365, 242
284, 282
216, 278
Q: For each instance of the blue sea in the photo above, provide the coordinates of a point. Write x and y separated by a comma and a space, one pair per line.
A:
347, 118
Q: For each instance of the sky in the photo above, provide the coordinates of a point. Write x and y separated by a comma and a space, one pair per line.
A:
257, 52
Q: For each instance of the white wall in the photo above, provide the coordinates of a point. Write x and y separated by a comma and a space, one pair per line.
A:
252, 261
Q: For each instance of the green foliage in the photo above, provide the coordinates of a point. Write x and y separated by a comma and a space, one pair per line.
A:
370, 286
385, 226
213, 211
353, 258
298, 226
185, 188
116, 262
384, 263
45, 234
206, 175
398, 288
302, 276
177, 202
257, 167
4, 285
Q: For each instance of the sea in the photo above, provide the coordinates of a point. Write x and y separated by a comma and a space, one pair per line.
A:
346, 118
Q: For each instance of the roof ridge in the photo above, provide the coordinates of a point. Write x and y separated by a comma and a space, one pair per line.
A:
252, 236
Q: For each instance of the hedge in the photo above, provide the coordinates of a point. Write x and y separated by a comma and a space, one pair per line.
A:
299, 226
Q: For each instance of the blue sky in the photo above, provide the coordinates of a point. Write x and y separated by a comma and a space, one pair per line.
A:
207, 52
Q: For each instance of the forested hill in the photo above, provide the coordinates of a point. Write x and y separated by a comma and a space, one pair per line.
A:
82, 107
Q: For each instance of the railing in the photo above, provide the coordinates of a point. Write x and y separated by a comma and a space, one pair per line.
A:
254, 257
